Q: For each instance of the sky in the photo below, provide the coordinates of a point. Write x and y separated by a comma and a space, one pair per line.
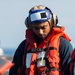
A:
14, 12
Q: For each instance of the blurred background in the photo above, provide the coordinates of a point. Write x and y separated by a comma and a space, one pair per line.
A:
14, 12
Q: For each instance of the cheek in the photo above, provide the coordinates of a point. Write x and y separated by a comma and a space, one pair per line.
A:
47, 30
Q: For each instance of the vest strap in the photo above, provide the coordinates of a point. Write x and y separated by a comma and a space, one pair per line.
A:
49, 69
34, 50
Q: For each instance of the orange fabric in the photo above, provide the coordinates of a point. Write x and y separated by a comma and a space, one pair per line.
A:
53, 57
5, 66
33, 65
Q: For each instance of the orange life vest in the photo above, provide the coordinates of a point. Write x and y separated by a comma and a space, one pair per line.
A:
43, 60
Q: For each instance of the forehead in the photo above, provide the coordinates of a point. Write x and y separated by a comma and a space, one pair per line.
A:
40, 24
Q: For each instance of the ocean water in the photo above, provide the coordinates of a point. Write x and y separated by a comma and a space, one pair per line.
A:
9, 51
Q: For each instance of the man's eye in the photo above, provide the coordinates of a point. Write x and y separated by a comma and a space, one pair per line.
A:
43, 27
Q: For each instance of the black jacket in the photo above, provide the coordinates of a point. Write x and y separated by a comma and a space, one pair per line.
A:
65, 51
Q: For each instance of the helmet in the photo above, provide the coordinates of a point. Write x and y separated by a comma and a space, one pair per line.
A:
38, 14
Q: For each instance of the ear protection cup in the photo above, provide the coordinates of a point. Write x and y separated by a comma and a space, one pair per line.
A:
27, 23
55, 19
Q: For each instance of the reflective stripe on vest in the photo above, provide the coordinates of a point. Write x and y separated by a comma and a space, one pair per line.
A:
28, 59
40, 63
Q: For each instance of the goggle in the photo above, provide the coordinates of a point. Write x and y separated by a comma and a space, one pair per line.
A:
39, 16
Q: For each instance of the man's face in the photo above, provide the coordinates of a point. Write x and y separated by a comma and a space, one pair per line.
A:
41, 29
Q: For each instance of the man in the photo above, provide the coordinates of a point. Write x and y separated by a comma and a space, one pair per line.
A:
46, 49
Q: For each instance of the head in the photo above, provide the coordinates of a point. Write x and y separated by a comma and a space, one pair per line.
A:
41, 20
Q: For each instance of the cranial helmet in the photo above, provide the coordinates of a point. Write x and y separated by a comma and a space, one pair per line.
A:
38, 14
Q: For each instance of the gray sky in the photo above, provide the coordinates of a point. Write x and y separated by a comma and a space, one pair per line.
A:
14, 12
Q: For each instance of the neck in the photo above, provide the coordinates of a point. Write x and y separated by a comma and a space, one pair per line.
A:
38, 40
